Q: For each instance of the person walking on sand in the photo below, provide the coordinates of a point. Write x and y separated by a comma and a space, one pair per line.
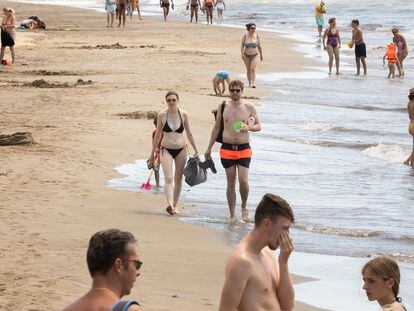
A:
382, 278
193, 5
165, 5
122, 6
221, 78
402, 49
114, 266
360, 47
410, 108
320, 9
171, 123
235, 118
220, 6
254, 279
209, 7
250, 50
333, 44
110, 8
134, 5
8, 35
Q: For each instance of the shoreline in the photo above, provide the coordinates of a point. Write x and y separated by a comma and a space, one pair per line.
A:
79, 141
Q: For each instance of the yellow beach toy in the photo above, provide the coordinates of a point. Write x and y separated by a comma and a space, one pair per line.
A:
349, 44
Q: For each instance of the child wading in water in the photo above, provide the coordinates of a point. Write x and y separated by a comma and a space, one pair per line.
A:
393, 62
156, 165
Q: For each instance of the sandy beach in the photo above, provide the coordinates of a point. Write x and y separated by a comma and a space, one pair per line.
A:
53, 192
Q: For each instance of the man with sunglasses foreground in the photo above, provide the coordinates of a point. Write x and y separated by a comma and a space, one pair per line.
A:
254, 279
113, 263
235, 118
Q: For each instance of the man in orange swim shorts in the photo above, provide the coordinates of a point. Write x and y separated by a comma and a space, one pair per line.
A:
235, 118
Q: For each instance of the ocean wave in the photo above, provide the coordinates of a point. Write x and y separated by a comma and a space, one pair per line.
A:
338, 231
387, 151
321, 143
331, 127
397, 256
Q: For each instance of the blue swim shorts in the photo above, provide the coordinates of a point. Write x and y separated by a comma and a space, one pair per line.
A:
320, 21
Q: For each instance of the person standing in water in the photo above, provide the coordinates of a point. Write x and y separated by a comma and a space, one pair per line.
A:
209, 7
8, 35
382, 278
194, 6
333, 44
235, 119
320, 9
250, 50
360, 47
171, 123
165, 5
402, 49
220, 6
410, 108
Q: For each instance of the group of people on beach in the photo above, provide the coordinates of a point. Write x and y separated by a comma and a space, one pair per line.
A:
395, 54
120, 9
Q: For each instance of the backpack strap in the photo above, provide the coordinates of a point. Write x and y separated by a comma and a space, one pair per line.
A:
123, 305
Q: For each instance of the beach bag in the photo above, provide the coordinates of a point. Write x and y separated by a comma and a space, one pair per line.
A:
123, 305
194, 174
219, 138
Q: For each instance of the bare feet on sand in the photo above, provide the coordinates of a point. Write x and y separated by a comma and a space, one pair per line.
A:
245, 215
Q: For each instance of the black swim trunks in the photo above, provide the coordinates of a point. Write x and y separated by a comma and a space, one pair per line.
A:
165, 5
360, 50
235, 155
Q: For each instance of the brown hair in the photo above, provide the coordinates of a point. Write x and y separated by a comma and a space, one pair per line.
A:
272, 206
249, 25
171, 93
238, 83
355, 21
105, 247
332, 19
385, 267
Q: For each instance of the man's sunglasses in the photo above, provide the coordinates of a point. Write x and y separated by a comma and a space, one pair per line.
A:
235, 90
137, 263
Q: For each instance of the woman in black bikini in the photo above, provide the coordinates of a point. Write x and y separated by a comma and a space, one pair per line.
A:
250, 50
194, 4
165, 5
171, 123
209, 7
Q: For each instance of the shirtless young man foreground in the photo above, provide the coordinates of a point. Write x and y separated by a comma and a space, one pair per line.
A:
254, 280
113, 263
237, 118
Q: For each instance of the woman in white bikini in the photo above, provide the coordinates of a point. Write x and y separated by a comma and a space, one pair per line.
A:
250, 50
8, 35
220, 6
402, 48
171, 123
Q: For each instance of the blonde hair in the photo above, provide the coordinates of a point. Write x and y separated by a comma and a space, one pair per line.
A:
7, 9
385, 267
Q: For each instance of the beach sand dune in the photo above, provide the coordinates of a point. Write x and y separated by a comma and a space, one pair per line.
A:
53, 193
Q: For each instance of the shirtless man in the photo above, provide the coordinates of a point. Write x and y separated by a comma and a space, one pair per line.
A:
113, 263
254, 280
236, 118
360, 47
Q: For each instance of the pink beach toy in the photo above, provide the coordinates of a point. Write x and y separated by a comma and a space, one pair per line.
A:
147, 185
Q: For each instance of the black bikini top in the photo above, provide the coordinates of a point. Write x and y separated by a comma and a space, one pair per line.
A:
167, 129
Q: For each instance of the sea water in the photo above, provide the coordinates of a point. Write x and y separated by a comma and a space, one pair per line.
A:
332, 147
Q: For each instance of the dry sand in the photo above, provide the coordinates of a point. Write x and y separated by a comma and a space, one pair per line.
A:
53, 193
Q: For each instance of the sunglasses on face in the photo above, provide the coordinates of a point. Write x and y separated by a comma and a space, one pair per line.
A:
171, 100
137, 263
252, 28
235, 90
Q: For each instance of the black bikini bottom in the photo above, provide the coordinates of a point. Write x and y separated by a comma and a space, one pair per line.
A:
174, 152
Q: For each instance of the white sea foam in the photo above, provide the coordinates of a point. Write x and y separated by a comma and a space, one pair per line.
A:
388, 151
